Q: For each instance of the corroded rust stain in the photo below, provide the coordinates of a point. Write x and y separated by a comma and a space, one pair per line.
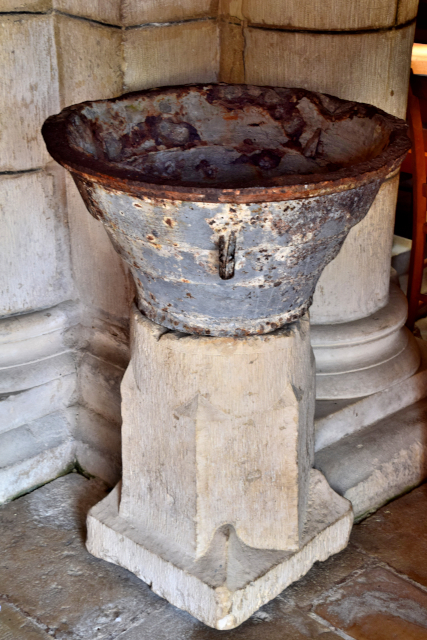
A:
243, 144
227, 201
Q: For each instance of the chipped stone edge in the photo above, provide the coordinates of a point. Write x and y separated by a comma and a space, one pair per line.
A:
403, 472
111, 538
29, 474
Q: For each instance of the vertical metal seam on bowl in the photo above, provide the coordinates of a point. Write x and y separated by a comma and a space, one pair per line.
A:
227, 250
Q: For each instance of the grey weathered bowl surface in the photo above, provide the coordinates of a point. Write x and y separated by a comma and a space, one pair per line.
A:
227, 201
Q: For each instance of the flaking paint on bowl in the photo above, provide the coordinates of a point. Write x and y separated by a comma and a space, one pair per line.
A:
227, 201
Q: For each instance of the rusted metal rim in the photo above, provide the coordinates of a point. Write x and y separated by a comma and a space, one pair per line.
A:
284, 187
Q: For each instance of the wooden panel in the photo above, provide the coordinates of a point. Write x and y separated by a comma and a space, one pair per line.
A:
137, 12
369, 67
176, 54
28, 89
89, 60
322, 15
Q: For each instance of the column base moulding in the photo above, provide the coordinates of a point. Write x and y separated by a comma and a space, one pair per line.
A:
365, 356
337, 419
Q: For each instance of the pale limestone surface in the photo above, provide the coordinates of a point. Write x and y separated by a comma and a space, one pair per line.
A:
33, 454
54, 586
97, 444
99, 382
89, 60
337, 419
34, 335
326, 15
63, 591
38, 382
37, 230
166, 55
37, 364
21, 408
103, 281
340, 296
217, 455
369, 67
103, 286
382, 460
232, 580
28, 90
105, 340
138, 13
35, 374
231, 9
241, 435
362, 357
108, 11
25, 5
232, 44
407, 10
401, 365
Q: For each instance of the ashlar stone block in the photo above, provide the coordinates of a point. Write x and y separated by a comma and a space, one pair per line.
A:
135, 12
171, 54
339, 296
89, 60
28, 89
219, 509
102, 279
107, 11
35, 270
232, 67
17, 6
367, 67
99, 384
407, 10
322, 15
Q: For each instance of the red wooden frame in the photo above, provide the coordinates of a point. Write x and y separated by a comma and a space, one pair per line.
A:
419, 226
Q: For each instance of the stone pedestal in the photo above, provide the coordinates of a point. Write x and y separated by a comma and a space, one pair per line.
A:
219, 509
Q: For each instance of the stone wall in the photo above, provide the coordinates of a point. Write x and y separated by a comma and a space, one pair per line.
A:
65, 294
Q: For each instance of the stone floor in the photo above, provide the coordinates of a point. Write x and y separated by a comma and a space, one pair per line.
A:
50, 587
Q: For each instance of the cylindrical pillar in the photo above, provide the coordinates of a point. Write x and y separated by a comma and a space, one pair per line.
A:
359, 55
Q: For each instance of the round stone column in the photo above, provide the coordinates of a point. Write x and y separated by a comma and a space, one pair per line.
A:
358, 335
362, 55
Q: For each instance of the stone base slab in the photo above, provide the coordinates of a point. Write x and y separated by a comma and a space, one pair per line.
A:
223, 588
378, 463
